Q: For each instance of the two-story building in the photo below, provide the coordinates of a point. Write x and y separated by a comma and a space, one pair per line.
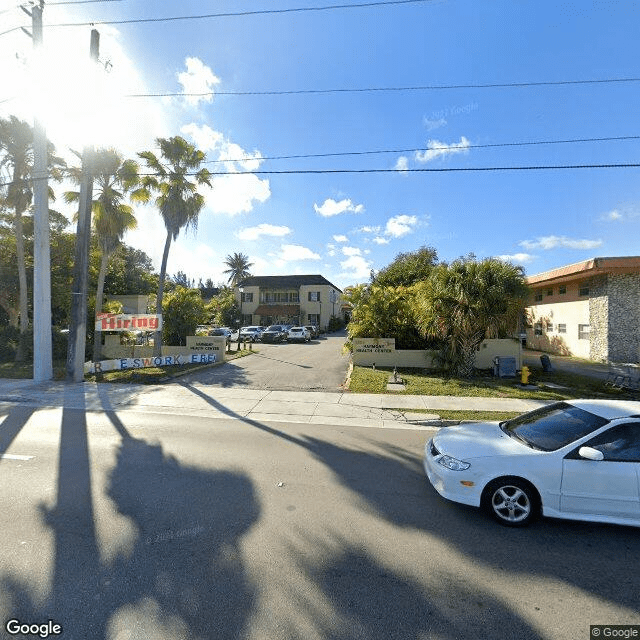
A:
299, 300
589, 309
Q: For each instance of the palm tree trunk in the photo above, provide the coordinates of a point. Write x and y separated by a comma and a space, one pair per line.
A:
97, 335
157, 336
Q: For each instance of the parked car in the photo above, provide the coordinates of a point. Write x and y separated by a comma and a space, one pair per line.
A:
313, 330
221, 331
274, 333
577, 459
298, 334
250, 333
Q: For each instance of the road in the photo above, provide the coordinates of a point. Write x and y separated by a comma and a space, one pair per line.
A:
134, 524
319, 365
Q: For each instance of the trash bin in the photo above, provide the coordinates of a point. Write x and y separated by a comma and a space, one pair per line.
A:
546, 363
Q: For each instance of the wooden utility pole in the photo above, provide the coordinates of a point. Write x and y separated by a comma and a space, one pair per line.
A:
42, 350
78, 324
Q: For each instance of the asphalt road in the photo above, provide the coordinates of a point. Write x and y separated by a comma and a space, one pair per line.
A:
127, 525
319, 365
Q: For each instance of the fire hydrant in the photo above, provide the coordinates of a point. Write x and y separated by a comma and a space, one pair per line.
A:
524, 375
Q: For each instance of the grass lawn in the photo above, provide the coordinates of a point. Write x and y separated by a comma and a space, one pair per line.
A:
428, 383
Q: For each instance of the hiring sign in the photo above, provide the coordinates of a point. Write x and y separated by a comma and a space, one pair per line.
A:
128, 322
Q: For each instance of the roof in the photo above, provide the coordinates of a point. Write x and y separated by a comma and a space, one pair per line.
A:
587, 268
609, 409
286, 282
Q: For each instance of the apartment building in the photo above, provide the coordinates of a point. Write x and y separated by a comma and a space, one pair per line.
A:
304, 299
589, 309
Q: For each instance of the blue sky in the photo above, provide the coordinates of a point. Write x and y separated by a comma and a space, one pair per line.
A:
342, 225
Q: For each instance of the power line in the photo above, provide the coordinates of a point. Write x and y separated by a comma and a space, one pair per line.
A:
418, 149
503, 85
255, 12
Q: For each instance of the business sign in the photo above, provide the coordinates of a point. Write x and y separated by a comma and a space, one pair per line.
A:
374, 345
128, 322
206, 343
140, 363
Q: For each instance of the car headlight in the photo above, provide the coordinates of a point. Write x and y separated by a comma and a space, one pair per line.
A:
453, 464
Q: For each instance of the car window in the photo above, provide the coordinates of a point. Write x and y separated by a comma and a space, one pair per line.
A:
553, 427
619, 444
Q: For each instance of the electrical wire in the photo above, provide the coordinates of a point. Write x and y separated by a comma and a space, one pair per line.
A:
255, 12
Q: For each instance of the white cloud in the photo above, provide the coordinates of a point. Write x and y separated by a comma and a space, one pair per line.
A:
341, 238
230, 194
612, 216
434, 123
402, 163
351, 251
197, 79
355, 268
435, 149
332, 208
295, 252
553, 242
253, 233
370, 229
517, 258
401, 225
381, 240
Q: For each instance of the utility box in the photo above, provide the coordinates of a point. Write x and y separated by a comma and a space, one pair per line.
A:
545, 361
504, 367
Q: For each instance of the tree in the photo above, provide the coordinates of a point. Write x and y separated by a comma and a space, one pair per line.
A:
114, 179
384, 312
238, 264
178, 201
183, 311
463, 303
223, 308
407, 268
16, 145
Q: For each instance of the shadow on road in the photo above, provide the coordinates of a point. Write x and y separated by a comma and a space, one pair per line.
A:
180, 575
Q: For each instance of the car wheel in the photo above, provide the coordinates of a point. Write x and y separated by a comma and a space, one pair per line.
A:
513, 502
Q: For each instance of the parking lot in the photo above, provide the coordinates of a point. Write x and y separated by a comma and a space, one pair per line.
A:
318, 365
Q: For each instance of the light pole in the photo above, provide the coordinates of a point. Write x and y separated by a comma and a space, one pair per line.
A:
240, 291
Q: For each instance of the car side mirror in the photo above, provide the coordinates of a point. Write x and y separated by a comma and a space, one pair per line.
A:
589, 453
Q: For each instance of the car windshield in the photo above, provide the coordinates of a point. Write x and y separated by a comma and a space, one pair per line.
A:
552, 427
274, 327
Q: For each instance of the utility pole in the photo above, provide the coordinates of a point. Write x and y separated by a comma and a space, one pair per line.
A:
42, 351
78, 324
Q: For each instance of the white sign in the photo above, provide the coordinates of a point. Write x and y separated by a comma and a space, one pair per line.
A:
374, 345
140, 363
128, 322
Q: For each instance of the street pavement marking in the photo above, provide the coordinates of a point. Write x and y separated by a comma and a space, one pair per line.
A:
11, 456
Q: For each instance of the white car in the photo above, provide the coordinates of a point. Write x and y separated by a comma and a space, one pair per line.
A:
578, 459
298, 334
250, 333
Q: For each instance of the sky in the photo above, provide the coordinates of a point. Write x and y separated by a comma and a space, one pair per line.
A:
405, 79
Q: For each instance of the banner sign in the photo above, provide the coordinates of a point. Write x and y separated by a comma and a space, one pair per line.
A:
139, 363
128, 322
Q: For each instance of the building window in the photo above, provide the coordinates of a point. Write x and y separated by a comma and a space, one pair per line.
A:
538, 297
549, 327
584, 331
583, 290
314, 296
550, 292
537, 329
562, 328
562, 289
246, 297
314, 319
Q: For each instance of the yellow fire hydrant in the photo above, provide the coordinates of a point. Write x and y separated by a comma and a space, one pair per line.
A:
524, 376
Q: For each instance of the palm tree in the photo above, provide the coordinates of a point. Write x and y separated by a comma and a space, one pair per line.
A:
113, 178
16, 145
463, 303
238, 269
178, 201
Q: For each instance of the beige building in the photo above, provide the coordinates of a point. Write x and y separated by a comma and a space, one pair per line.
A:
589, 309
306, 299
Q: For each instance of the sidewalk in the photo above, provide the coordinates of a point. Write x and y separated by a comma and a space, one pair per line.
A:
341, 409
